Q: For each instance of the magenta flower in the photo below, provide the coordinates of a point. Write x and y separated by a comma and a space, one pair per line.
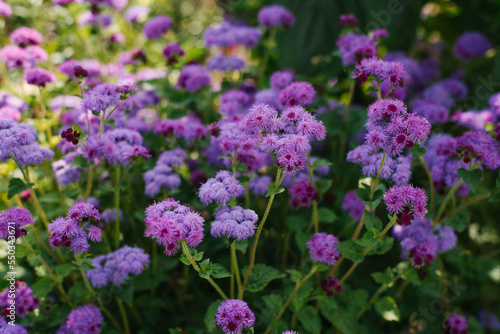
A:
455, 324
274, 16
157, 26
233, 316
39, 76
85, 319
23, 300
302, 194
322, 248
220, 189
407, 202
297, 93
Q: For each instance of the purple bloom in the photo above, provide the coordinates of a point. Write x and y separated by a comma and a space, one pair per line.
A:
274, 16
353, 47
109, 216
122, 146
407, 202
193, 78
353, 205
171, 52
39, 76
116, 267
455, 324
222, 63
25, 36
446, 238
234, 101
5, 10
494, 102
220, 189
259, 184
377, 34
475, 120
62, 2
85, 319
227, 35
5, 327
483, 146
11, 222
331, 286
163, 176
269, 97
23, 300
234, 222
348, 19
9, 112
297, 93
322, 248
64, 173
233, 316
136, 13
433, 111
302, 194
489, 320
281, 79
169, 222
188, 127
15, 57
101, 97
471, 45
157, 26
375, 69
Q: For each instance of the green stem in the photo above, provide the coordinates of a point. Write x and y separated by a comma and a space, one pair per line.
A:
292, 295
195, 266
123, 314
466, 204
234, 265
343, 139
447, 198
117, 208
314, 217
89, 182
431, 182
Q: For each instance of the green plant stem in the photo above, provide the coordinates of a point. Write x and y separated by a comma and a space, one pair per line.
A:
234, 266
431, 182
117, 208
294, 292
343, 138
447, 198
124, 315
195, 266
89, 182
82, 272
314, 217
257, 235
51, 274
464, 205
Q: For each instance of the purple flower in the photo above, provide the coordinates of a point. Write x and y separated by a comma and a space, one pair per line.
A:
39, 76
220, 189
109, 216
274, 16
281, 79
470, 45
163, 176
193, 78
322, 248
227, 35
234, 101
375, 69
171, 52
25, 36
136, 13
62, 2
85, 319
475, 120
116, 267
169, 222
297, 93
482, 146
348, 19
101, 97
23, 300
455, 324
233, 316
15, 57
267, 96
353, 205
222, 63
5, 10
259, 184
494, 102
377, 34
8, 328
157, 26
433, 111
64, 173
188, 127
353, 47
331, 286
290, 332
302, 194
9, 112
122, 146
234, 222
407, 202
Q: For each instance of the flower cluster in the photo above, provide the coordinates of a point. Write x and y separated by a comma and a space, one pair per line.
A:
23, 300
16, 218
275, 16
470, 45
85, 319
234, 222
162, 176
331, 286
220, 189
116, 267
297, 93
227, 35
233, 316
193, 78
377, 70
484, 149
188, 127
354, 47
64, 173
455, 324
170, 223
322, 248
302, 194
157, 26
407, 202
224, 63
353, 205
172, 52
74, 230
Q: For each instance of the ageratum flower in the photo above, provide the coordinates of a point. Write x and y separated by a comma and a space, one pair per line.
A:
101, 97
223, 63
433, 111
275, 16
227, 35
39, 76
64, 173
348, 19
353, 47
85, 319
15, 57
234, 222
5, 9
407, 202
169, 222
281, 79
9, 112
234, 102
233, 316
188, 127
7, 328
331, 286
157, 26
353, 205
484, 148
259, 184
220, 189
25, 36
172, 52
193, 78
23, 300
136, 13
322, 248
297, 93
302, 194
455, 324
374, 69
470, 45
116, 267
122, 146
162, 176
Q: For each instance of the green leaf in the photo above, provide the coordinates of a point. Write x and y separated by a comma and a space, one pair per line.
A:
495, 192
219, 271
197, 256
80, 161
321, 162
351, 250
17, 186
272, 190
341, 311
471, 177
369, 239
323, 185
64, 270
364, 195
309, 318
42, 287
372, 222
260, 277
326, 216
127, 294
241, 245
382, 277
417, 150
83, 135
387, 308
459, 220
295, 275
296, 223
210, 315
383, 248
86, 264
111, 122
361, 297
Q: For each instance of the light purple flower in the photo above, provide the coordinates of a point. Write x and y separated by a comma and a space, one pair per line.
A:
274, 16
233, 316
85, 319
157, 26
39, 76
234, 222
281, 79
220, 189
407, 202
322, 248
14, 219
297, 93
353, 205
136, 13
470, 45
455, 324
25, 36
193, 78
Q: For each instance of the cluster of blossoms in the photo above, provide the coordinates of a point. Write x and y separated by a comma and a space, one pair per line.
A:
170, 223
302, 194
24, 52
470, 45
188, 127
193, 78
275, 16
19, 140
227, 35
407, 202
233, 102
11, 106
481, 148
322, 248
23, 300
353, 205
286, 135
157, 26
71, 136
354, 47
220, 189
234, 222
116, 267
259, 184
15, 218
172, 52
278, 81
104, 96
377, 70
421, 241
162, 176
455, 324
331, 286
85, 319
224, 63
74, 230
64, 173
8, 327
297, 93
233, 316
